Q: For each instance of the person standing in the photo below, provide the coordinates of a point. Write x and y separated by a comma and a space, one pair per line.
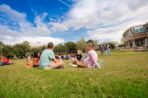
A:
101, 49
108, 50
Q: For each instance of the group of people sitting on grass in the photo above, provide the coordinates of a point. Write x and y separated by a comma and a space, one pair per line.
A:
48, 60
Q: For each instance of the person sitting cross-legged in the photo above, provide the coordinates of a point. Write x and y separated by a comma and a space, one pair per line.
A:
48, 60
91, 61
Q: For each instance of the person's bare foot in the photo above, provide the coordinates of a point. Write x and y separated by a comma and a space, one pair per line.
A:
28, 66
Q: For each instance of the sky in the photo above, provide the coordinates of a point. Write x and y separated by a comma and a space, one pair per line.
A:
60, 21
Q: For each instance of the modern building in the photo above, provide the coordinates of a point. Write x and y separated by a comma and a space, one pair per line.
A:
136, 37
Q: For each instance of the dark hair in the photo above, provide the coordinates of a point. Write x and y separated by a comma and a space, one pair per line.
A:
50, 45
57, 57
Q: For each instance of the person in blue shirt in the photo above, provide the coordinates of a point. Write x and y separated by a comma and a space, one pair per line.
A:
48, 60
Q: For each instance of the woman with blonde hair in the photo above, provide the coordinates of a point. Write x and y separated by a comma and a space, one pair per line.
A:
91, 61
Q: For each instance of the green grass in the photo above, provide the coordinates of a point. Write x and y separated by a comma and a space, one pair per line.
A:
125, 75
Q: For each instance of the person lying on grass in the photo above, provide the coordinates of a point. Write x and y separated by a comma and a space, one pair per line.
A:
48, 60
5, 61
91, 61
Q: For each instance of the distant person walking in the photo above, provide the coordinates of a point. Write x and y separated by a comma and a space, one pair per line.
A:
108, 50
101, 50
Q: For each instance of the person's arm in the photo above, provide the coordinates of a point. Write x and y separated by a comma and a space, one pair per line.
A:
55, 60
51, 56
87, 57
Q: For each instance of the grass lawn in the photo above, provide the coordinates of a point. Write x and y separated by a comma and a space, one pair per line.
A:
125, 75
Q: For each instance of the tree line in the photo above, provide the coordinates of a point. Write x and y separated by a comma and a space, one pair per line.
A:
20, 50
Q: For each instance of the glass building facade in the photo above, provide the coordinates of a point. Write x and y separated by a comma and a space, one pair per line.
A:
136, 36
139, 29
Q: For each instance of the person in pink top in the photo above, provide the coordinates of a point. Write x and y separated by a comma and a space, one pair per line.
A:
91, 61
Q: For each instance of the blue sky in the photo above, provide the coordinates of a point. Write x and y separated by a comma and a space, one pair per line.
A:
54, 8
59, 21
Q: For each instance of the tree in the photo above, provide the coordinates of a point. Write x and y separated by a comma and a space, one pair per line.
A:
1, 43
26, 46
71, 46
21, 49
122, 45
60, 48
111, 44
26, 43
1, 47
8, 51
81, 44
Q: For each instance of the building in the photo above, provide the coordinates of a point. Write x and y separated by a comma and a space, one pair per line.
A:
136, 37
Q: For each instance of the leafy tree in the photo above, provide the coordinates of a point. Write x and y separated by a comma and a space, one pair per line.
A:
26, 43
122, 45
71, 46
1, 47
111, 44
8, 51
81, 44
21, 49
35, 50
1, 44
60, 48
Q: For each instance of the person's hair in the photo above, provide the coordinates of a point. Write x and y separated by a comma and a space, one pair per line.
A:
91, 45
57, 57
50, 45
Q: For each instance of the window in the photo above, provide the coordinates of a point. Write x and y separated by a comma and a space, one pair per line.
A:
141, 29
138, 29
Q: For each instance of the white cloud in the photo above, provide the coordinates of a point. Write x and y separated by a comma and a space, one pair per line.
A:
103, 20
106, 20
105, 35
138, 17
14, 14
34, 41
58, 27
36, 35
